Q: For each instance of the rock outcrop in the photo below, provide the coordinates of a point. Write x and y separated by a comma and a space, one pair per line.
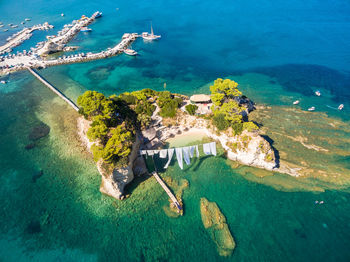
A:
248, 148
215, 223
113, 182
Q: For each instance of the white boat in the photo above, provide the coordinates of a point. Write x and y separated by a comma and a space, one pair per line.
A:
14, 26
341, 106
1, 25
130, 52
85, 29
23, 23
311, 108
296, 102
62, 14
318, 93
5, 30
99, 14
151, 36
27, 19
3, 82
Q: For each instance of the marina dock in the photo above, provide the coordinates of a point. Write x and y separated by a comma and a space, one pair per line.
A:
32, 61
19, 37
167, 190
53, 89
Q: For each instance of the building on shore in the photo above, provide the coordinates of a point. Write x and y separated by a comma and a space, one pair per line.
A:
203, 102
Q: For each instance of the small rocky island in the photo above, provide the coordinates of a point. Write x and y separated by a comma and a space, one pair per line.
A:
115, 128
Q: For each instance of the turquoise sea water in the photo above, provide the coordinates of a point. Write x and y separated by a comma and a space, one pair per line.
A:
278, 51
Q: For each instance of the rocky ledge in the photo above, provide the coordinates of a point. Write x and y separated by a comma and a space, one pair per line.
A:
114, 181
248, 148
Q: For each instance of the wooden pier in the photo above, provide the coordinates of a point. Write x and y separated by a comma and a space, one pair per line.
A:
167, 190
53, 89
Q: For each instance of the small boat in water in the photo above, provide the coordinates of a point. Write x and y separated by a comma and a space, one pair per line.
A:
1, 26
3, 82
14, 26
318, 93
341, 106
130, 52
151, 36
62, 14
85, 29
27, 19
296, 102
311, 108
99, 14
5, 30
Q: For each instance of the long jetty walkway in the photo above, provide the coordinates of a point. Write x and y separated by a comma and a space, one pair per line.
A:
55, 90
19, 37
167, 190
127, 40
21, 63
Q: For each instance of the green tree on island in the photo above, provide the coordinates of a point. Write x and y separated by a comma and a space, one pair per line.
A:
227, 111
191, 109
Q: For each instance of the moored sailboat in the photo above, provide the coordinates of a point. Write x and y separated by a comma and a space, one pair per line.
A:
151, 36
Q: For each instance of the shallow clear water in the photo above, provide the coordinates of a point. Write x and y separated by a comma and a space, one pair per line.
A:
277, 51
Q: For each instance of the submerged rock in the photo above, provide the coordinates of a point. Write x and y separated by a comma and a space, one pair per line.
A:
215, 223
39, 131
30, 146
34, 227
37, 176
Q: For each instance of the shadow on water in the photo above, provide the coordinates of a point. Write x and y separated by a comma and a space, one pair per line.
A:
271, 142
129, 188
306, 78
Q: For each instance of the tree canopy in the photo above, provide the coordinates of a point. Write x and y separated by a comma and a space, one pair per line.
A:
93, 103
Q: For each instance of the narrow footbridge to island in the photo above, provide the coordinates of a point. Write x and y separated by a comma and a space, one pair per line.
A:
167, 190
53, 89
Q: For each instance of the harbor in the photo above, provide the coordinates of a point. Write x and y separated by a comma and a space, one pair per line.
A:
37, 57
21, 61
21, 36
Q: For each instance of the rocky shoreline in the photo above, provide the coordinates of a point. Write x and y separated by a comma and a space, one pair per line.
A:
248, 148
113, 183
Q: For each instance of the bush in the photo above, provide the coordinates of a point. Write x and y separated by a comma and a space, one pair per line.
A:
145, 107
118, 146
191, 109
237, 128
220, 122
93, 103
130, 99
250, 126
168, 104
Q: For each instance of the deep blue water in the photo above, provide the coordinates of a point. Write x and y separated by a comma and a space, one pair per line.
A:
301, 46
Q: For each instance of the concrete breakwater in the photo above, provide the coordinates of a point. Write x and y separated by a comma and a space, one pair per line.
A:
58, 42
17, 63
19, 37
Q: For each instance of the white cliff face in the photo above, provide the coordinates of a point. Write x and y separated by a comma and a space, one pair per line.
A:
248, 148
113, 183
